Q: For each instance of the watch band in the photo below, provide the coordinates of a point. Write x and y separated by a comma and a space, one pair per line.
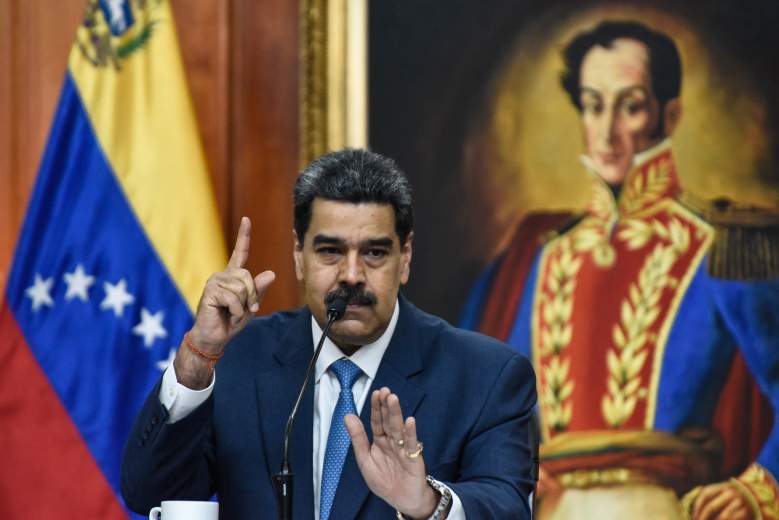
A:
443, 502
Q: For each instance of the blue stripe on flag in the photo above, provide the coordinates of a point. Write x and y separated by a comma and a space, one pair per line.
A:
101, 362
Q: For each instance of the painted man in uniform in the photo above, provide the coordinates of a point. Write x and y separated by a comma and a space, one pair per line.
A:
637, 312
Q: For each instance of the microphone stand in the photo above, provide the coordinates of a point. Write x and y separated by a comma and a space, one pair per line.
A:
283, 481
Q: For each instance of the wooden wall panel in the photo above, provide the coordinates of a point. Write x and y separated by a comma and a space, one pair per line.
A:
8, 224
204, 39
264, 111
36, 39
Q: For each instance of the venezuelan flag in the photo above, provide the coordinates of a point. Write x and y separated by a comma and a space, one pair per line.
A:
120, 235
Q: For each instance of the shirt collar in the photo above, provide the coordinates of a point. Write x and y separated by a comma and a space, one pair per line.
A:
368, 357
652, 177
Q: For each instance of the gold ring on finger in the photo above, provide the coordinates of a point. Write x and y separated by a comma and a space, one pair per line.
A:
415, 454
400, 443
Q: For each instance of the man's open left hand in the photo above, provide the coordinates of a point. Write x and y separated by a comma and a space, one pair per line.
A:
393, 466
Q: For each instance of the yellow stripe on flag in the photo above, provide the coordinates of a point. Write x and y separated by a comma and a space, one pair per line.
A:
136, 95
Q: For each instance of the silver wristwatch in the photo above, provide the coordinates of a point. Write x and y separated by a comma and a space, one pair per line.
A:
443, 502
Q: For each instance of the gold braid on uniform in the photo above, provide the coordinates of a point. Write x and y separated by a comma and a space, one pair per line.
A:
760, 489
746, 245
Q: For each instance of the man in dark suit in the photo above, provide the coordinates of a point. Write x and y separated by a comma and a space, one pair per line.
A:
463, 454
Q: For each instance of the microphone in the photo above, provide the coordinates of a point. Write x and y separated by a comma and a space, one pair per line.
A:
283, 481
336, 310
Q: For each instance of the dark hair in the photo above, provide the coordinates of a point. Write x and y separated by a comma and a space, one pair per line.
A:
665, 65
353, 175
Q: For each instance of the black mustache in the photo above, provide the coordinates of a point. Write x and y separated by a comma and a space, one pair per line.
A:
352, 295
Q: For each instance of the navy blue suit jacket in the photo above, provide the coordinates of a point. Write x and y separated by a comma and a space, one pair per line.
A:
472, 398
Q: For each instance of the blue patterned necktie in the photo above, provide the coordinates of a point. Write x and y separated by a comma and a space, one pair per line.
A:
338, 440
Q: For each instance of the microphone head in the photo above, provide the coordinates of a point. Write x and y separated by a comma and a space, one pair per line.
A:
336, 309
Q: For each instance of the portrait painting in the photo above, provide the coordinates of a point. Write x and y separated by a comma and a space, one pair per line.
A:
597, 184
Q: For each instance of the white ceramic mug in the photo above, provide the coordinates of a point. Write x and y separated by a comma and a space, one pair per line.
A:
185, 510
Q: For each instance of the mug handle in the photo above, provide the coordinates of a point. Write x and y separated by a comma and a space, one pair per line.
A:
155, 513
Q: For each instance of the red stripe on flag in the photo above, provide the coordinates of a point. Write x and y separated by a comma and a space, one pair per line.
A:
46, 469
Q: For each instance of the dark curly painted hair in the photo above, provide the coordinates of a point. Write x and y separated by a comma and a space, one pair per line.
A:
665, 65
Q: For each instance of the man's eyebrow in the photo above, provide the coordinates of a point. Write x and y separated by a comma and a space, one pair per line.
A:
320, 239
590, 90
378, 242
325, 239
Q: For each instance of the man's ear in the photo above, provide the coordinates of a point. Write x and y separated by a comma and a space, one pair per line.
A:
672, 113
405, 258
297, 255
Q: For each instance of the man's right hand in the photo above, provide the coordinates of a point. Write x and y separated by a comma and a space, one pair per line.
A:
229, 300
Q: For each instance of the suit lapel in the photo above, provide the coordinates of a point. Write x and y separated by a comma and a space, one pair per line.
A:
277, 390
401, 360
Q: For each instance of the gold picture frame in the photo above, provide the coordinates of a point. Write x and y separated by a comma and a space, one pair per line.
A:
333, 76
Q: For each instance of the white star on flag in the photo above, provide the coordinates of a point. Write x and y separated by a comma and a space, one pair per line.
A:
162, 364
38, 292
116, 297
78, 284
150, 327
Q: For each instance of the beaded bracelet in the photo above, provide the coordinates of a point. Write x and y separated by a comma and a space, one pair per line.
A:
211, 359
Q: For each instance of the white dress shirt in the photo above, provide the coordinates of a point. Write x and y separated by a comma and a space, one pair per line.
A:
180, 401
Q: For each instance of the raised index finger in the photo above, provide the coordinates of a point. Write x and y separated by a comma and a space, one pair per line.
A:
241, 249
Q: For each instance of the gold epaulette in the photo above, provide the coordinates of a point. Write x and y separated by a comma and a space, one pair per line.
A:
746, 244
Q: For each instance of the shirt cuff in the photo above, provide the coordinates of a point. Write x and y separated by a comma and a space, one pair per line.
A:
456, 512
179, 400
